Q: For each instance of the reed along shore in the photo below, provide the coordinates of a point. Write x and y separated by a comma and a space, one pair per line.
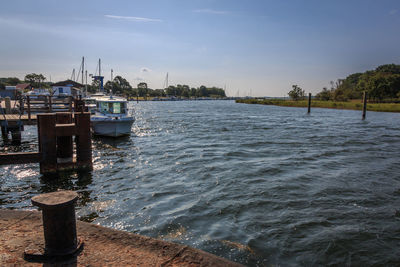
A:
351, 105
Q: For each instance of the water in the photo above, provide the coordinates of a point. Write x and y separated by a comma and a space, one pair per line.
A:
260, 185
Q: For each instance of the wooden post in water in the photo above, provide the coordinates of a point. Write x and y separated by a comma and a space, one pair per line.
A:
309, 103
364, 105
46, 124
137, 98
64, 143
83, 141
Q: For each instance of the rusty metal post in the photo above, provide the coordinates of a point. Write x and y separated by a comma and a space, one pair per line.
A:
64, 143
59, 225
364, 105
47, 142
83, 141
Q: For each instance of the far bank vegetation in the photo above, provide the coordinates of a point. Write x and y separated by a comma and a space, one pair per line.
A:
382, 86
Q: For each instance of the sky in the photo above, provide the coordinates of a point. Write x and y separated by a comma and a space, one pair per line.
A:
257, 48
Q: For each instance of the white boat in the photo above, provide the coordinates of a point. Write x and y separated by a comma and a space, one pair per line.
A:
111, 117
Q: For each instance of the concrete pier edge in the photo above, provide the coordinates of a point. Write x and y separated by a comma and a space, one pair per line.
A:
20, 229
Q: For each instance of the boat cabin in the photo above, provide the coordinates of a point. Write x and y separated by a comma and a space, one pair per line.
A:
111, 107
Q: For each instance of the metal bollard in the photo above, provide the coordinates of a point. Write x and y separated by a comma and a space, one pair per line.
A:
59, 225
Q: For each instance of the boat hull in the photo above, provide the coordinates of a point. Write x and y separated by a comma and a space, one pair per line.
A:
112, 128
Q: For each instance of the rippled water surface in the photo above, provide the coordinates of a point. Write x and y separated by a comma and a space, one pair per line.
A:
260, 185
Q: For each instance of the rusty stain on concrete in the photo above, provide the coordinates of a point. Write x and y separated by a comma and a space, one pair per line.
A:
103, 246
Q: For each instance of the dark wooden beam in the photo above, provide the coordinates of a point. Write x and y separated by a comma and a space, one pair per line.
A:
20, 158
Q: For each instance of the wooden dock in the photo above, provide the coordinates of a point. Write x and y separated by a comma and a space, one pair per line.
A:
16, 117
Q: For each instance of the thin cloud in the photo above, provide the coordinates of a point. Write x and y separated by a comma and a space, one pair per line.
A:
144, 69
211, 11
393, 11
137, 19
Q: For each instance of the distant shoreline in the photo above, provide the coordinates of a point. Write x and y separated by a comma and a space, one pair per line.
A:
351, 105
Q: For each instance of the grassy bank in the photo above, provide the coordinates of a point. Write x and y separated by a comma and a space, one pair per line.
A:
354, 105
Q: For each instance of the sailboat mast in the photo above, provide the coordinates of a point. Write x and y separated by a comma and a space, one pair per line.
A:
83, 66
86, 83
73, 75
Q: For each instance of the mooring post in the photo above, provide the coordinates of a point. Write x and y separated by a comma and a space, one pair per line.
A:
8, 105
364, 105
64, 143
309, 103
137, 98
46, 124
83, 140
59, 226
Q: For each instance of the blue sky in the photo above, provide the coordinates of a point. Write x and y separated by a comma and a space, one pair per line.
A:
251, 47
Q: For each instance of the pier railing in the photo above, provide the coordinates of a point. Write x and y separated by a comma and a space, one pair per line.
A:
55, 132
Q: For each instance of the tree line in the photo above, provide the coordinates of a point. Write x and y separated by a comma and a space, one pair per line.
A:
381, 84
35, 80
121, 86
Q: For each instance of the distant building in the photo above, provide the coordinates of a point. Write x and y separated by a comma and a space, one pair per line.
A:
23, 86
67, 88
11, 91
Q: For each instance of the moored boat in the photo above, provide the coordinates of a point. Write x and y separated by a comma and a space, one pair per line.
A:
111, 117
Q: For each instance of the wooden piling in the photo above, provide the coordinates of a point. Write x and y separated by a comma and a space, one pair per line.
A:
16, 136
46, 124
4, 133
50, 104
64, 143
70, 100
83, 141
28, 102
8, 105
21, 105
309, 103
364, 105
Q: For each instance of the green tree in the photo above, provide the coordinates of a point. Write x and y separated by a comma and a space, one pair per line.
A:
35, 79
324, 95
142, 89
296, 93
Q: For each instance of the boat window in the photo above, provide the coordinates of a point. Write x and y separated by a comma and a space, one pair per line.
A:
117, 107
112, 107
104, 107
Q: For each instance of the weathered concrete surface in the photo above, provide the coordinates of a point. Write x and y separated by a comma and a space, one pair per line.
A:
103, 246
